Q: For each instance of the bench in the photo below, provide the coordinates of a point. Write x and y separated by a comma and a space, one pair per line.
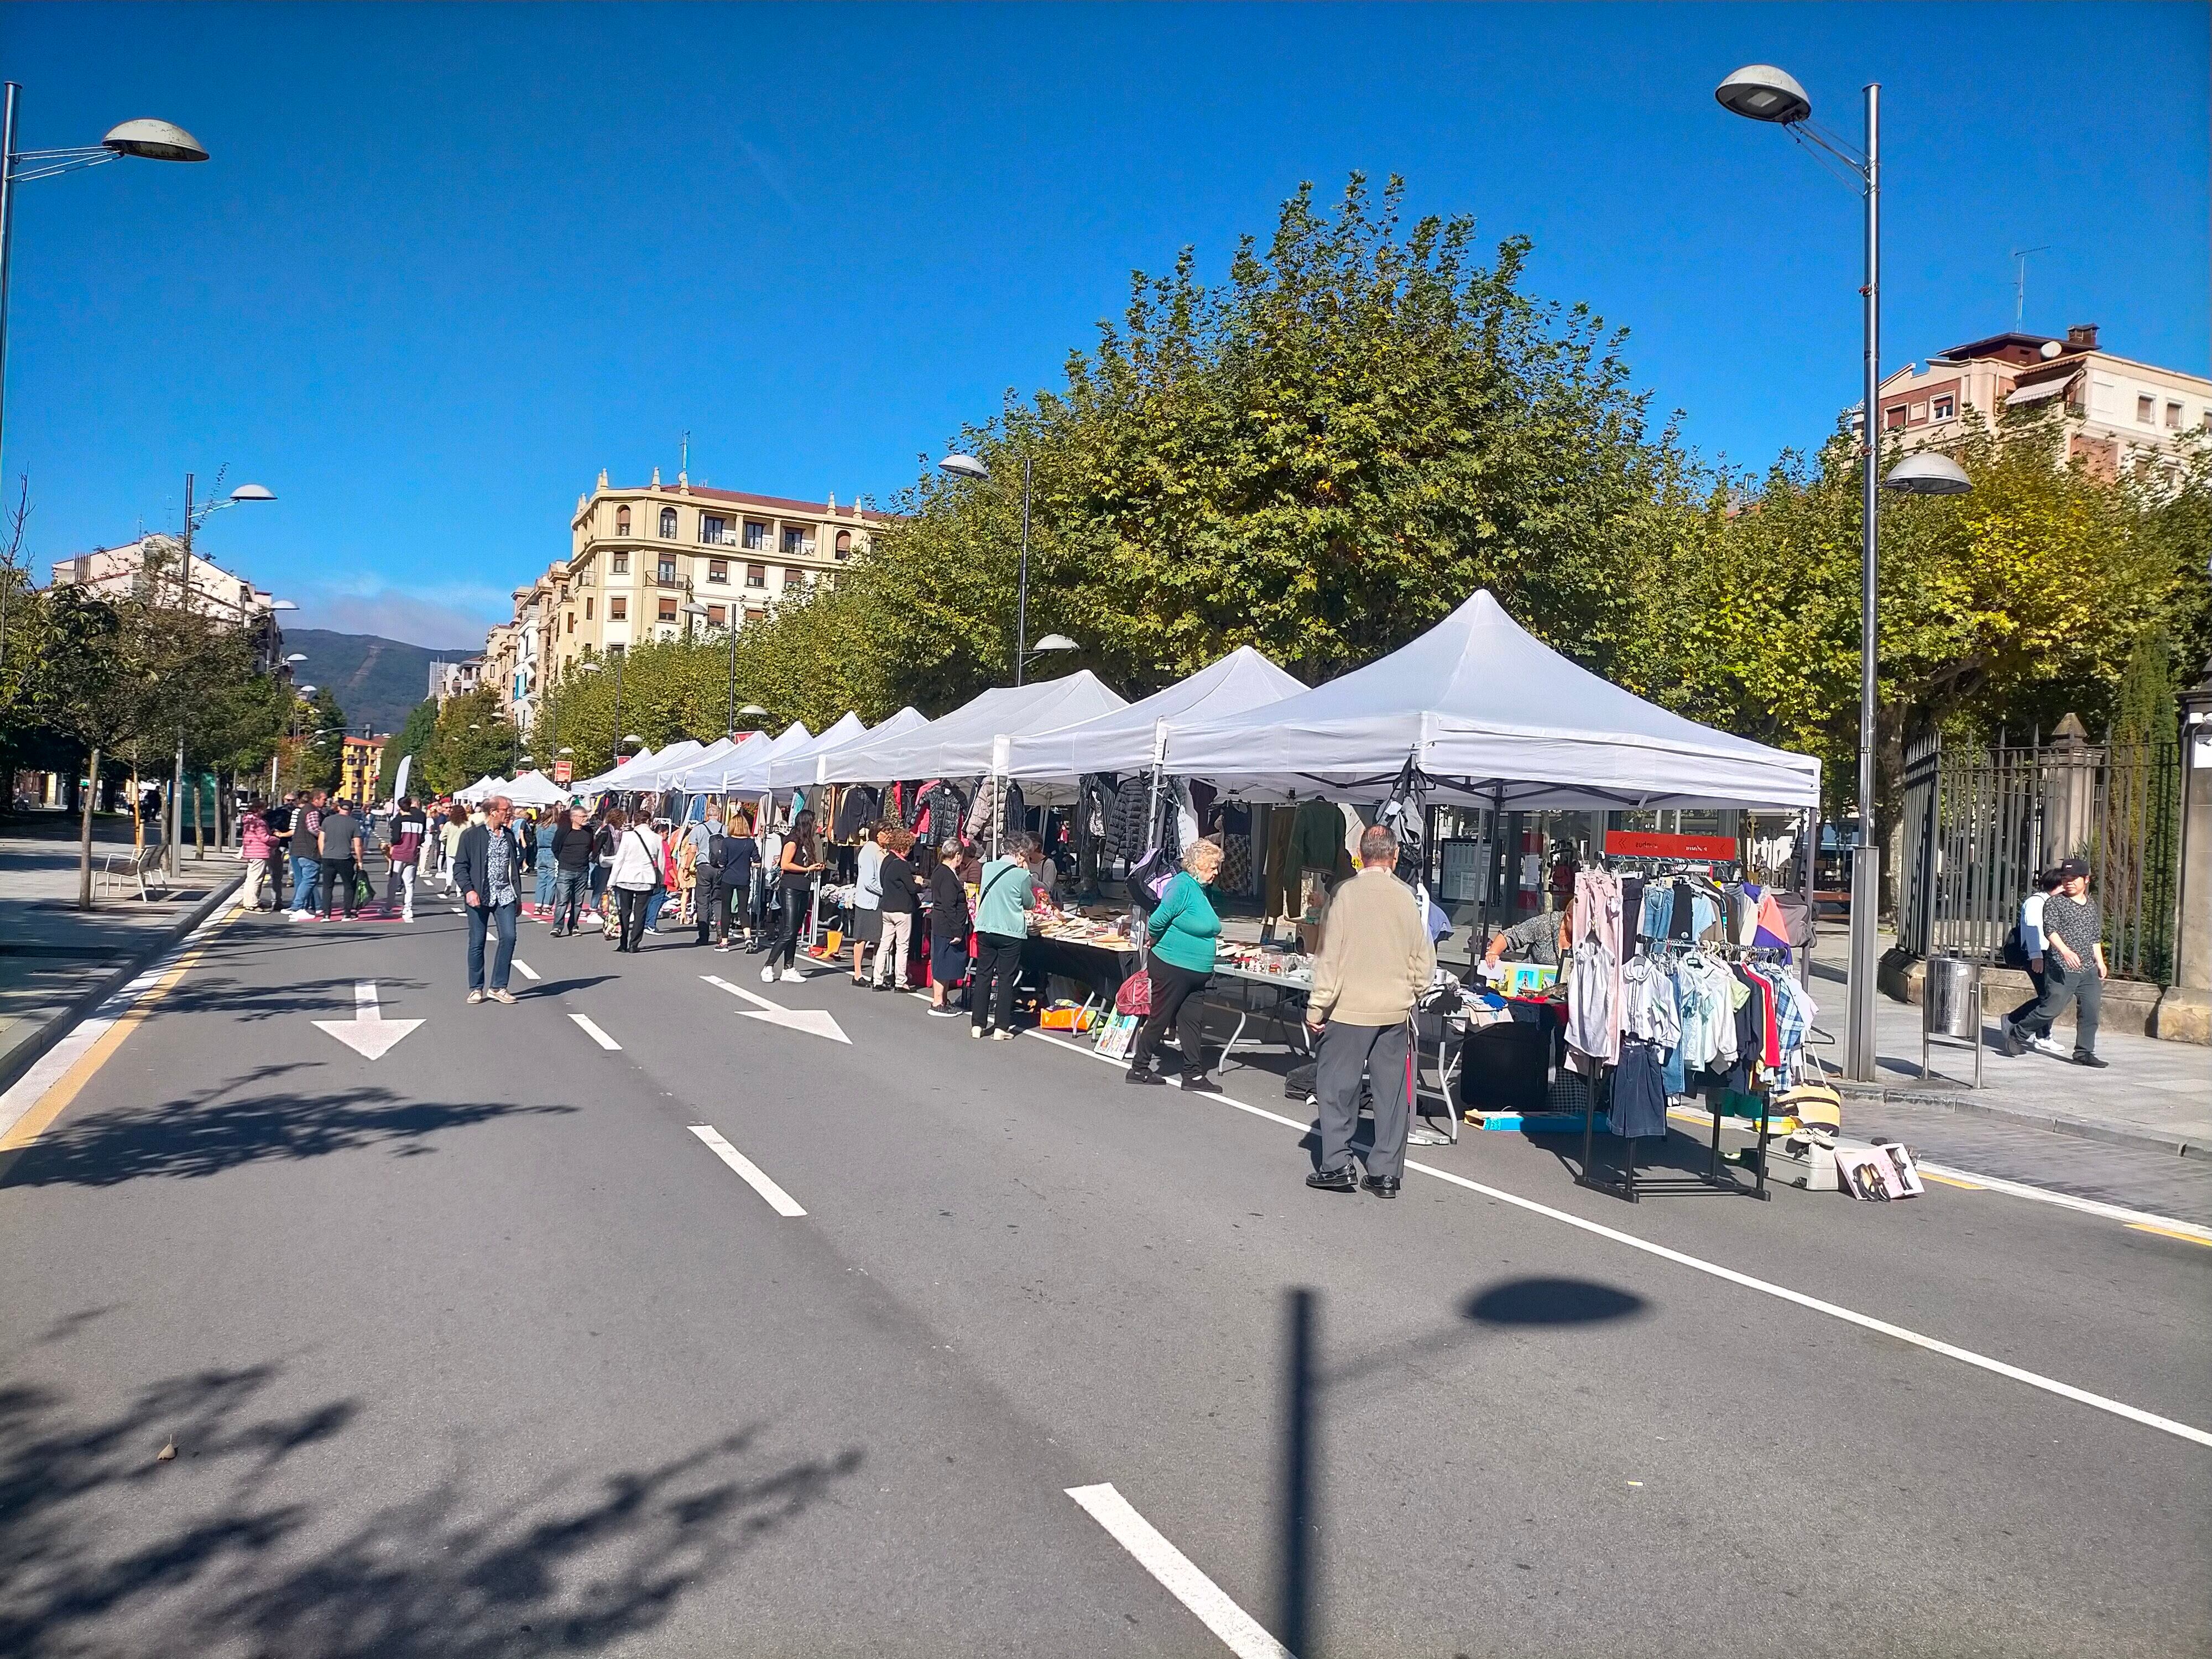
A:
117, 870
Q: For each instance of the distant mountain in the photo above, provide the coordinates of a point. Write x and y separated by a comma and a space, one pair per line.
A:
374, 679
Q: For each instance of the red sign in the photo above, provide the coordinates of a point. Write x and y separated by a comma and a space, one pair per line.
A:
1637, 843
561, 772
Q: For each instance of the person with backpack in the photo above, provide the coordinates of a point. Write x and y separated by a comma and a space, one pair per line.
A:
2026, 949
632, 875
1002, 908
735, 858
408, 827
306, 855
702, 844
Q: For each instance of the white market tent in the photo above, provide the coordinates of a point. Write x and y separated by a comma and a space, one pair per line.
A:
801, 767
533, 789
1121, 739
610, 779
749, 776
647, 773
703, 772
1491, 716
961, 745
484, 786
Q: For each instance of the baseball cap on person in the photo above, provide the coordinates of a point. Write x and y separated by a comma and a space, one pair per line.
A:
2071, 868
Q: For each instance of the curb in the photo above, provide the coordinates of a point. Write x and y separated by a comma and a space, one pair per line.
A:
28, 1055
2058, 1122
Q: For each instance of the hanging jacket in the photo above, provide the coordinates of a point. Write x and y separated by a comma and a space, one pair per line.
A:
1316, 835
858, 810
1126, 829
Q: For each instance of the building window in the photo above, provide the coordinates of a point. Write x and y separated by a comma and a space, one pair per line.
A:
1893, 419
717, 570
1918, 413
668, 608
794, 578
614, 651
588, 610
572, 622
618, 609
622, 522
716, 614
796, 540
668, 524
844, 544
1943, 409
756, 537
756, 575
713, 532
2143, 409
668, 569
622, 564
2173, 417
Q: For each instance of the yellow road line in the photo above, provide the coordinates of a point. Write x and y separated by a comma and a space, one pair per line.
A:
1952, 1181
58, 1099
2169, 1232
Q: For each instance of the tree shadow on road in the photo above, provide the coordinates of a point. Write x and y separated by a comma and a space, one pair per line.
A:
106, 1550
240, 1122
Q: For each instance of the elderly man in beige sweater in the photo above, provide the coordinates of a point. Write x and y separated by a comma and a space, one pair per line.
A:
1376, 960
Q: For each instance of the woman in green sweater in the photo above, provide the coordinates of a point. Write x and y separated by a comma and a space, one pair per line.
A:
1184, 930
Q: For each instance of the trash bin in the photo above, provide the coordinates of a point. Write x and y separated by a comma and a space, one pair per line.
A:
1951, 1007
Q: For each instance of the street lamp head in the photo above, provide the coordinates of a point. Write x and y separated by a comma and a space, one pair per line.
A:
154, 141
565, 750
587, 668
693, 608
1927, 473
283, 605
752, 708
632, 736
964, 466
297, 656
253, 493
1055, 642
1760, 92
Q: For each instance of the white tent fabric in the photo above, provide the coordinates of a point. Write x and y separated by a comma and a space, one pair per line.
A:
610, 779
670, 770
1492, 716
798, 769
533, 789
708, 775
1121, 740
959, 745
486, 785
750, 777
646, 775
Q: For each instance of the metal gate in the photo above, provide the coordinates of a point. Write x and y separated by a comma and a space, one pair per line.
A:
1981, 822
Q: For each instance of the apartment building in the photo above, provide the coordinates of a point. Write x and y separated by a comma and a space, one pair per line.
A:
361, 769
2116, 410
451, 679
638, 556
156, 568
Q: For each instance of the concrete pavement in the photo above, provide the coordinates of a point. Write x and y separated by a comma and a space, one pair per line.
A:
478, 1348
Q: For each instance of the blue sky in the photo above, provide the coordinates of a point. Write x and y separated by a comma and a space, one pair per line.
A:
448, 264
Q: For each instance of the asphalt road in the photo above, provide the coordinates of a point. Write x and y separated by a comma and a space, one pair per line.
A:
479, 1349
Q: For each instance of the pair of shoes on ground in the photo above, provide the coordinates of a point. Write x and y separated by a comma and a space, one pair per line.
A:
1197, 1085
790, 976
1347, 1180
986, 1030
491, 996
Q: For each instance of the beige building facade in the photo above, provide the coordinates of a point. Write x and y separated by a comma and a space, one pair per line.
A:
2115, 411
152, 567
639, 556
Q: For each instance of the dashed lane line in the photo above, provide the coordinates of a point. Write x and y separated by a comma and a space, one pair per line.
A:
1240, 1633
524, 968
591, 1029
1781, 1292
748, 1171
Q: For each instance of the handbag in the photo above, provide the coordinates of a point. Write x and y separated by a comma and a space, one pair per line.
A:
1135, 996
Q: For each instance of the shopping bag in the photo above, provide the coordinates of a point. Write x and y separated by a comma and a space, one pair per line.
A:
1135, 996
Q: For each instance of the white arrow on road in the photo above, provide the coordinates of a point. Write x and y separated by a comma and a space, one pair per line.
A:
369, 1034
812, 1021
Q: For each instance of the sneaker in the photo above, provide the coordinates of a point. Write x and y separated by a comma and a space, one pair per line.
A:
298, 916
793, 976
476, 997
508, 996
1002, 1037
1202, 1085
2083, 1057
2009, 1042
1145, 1075
975, 1031
2044, 1045
768, 975
722, 949
944, 1013
406, 915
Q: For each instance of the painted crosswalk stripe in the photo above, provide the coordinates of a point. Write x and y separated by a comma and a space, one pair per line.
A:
748, 1171
591, 1030
524, 968
1240, 1633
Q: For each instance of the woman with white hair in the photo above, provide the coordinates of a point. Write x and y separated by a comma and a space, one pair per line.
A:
1184, 930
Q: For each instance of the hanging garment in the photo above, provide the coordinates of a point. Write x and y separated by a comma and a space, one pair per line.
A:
1648, 1004
1237, 864
859, 808
1279, 871
1797, 1011
1126, 831
1657, 910
995, 797
1639, 1103
1704, 991
1594, 992
1316, 835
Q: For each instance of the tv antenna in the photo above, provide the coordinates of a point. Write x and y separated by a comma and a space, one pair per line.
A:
2019, 281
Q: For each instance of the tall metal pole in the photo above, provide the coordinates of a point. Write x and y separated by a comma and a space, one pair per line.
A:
619, 655
731, 612
1866, 858
7, 225
1022, 597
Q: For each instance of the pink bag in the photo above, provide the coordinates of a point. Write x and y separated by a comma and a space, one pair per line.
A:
1135, 996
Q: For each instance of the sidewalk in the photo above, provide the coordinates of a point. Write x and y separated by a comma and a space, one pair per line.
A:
57, 962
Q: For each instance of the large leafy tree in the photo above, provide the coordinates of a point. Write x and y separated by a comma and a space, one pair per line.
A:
471, 738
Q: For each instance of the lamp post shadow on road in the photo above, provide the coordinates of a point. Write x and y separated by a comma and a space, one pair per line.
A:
1519, 1303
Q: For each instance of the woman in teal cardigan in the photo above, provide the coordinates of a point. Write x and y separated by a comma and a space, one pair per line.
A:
1184, 930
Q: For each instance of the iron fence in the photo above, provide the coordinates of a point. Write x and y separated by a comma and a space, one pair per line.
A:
1981, 821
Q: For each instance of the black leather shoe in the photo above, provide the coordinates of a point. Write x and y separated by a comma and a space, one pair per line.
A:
1333, 1181
2081, 1057
1202, 1085
1381, 1185
1145, 1075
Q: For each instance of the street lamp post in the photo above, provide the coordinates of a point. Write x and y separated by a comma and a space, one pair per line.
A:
966, 466
152, 140
193, 518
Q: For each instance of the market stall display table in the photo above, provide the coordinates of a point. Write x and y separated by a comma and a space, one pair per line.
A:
1100, 963
1290, 986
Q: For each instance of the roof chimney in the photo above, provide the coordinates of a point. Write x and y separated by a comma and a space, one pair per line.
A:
2083, 335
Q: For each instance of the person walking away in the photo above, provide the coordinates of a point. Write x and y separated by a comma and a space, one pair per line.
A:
704, 841
279, 820
571, 860
2073, 967
1002, 908
664, 846
340, 836
1376, 960
411, 826
525, 837
736, 857
549, 825
867, 898
449, 842
253, 845
800, 863
1184, 929
2009, 1039
899, 905
603, 834
950, 925
487, 870
306, 855
632, 877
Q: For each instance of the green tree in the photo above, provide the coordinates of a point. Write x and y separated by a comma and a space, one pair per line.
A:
471, 737
412, 738
87, 689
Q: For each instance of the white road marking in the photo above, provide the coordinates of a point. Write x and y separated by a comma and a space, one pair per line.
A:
592, 1031
812, 1021
369, 1034
1240, 1633
750, 1172
524, 968
1865, 1321
2067, 1201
